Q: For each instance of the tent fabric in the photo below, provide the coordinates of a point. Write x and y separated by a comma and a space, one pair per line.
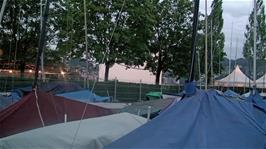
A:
94, 133
7, 100
109, 105
53, 88
171, 96
247, 94
235, 79
261, 82
84, 96
141, 108
263, 94
207, 119
23, 115
60, 87
231, 93
153, 95
257, 100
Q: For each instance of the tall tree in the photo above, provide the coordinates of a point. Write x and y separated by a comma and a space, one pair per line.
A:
117, 31
123, 32
170, 45
216, 23
261, 33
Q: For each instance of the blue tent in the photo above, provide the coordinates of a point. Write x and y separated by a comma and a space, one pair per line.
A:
7, 100
231, 93
206, 119
84, 96
257, 100
53, 88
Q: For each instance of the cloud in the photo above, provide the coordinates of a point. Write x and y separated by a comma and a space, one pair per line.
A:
236, 12
237, 8
237, 31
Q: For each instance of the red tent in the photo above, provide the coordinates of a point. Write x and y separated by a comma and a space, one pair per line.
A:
24, 115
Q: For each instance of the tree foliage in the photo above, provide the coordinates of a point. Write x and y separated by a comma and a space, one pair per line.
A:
117, 31
215, 38
170, 46
216, 24
248, 49
20, 28
151, 33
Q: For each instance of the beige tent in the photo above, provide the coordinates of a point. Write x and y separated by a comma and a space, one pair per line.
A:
261, 82
235, 79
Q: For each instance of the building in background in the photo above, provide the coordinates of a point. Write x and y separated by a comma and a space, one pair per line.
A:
125, 73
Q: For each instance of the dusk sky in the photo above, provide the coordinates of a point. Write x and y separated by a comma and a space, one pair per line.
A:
235, 12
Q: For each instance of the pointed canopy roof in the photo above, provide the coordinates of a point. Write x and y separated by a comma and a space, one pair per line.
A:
235, 78
261, 82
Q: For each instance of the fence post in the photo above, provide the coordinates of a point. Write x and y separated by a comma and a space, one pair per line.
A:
179, 86
149, 113
65, 118
161, 91
87, 84
115, 89
138, 112
140, 82
84, 82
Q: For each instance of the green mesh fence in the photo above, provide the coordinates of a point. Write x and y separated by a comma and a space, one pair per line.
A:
119, 91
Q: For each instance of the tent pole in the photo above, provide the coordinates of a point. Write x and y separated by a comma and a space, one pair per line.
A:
42, 56
235, 63
211, 57
255, 45
2, 10
199, 69
41, 43
206, 46
86, 41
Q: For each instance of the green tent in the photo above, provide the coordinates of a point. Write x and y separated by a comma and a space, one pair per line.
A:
154, 95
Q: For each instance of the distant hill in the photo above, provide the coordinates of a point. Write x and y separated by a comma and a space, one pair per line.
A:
246, 66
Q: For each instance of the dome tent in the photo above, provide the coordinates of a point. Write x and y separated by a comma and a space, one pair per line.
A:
206, 119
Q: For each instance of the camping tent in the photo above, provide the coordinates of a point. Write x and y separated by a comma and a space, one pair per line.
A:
29, 112
84, 96
235, 79
93, 133
206, 119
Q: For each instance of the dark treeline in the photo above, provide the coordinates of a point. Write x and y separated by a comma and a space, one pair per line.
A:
151, 33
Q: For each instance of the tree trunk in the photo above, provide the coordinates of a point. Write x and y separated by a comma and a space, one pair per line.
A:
107, 67
22, 68
158, 74
159, 69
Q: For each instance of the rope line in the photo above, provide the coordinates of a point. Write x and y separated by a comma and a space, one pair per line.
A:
94, 83
38, 107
